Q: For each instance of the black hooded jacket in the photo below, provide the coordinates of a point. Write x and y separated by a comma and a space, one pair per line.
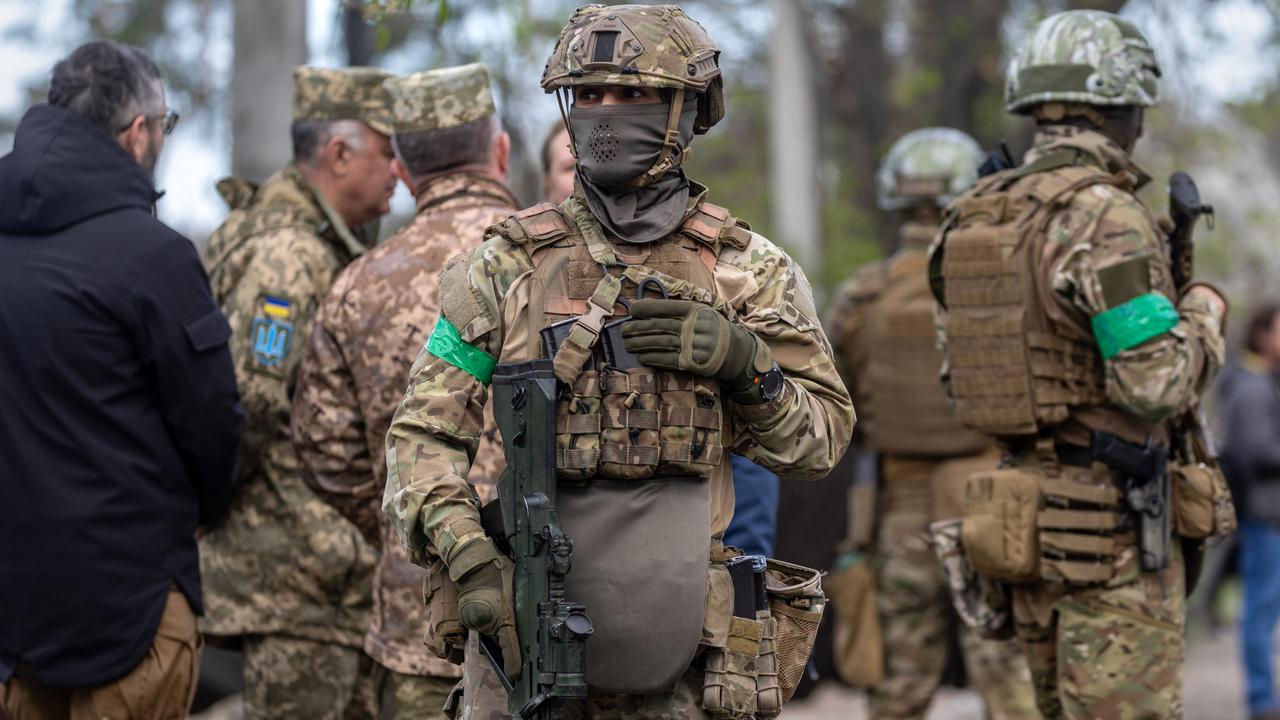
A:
119, 415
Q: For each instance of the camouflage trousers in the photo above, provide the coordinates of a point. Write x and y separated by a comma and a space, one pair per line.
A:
288, 677
914, 605
484, 699
1106, 652
406, 697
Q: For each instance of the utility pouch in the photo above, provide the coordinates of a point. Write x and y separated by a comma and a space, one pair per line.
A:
731, 672
629, 432
1202, 506
445, 635
796, 602
981, 602
999, 526
578, 419
691, 416
859, 642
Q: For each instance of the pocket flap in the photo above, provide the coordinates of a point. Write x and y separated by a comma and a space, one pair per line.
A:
208, 331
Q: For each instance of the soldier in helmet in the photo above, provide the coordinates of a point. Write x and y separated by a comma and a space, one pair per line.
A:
881, 326
732, 359
1067, 339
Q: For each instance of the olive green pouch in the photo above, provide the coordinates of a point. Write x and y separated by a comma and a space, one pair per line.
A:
1202, 505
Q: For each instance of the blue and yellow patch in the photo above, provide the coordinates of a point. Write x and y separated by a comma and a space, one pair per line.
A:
272, 333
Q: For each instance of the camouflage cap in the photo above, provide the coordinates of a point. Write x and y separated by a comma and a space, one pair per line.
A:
640, 46
439, 99
353, 93
929, 166
1083, 56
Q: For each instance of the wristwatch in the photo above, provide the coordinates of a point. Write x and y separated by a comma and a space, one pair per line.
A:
770, 383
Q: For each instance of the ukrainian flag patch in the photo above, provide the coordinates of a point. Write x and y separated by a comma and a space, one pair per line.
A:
271, 333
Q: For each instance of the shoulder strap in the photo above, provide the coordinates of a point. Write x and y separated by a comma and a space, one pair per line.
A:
714, 227
536, 225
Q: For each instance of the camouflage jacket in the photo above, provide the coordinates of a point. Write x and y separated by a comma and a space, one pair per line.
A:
438, 425
1101, 249
282, 561
367, 333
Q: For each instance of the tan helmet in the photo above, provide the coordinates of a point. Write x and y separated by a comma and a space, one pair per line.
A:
641, 46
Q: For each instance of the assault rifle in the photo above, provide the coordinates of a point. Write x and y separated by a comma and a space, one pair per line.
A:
552, 630
1184, 209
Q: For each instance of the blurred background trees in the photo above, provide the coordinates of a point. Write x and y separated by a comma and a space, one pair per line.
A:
813, 101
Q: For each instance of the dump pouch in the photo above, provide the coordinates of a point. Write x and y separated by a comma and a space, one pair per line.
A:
999, 527
796, 602
1202, 506
859, 643
981, 602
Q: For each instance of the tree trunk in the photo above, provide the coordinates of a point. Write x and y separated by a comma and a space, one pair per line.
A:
270, 40
793, 136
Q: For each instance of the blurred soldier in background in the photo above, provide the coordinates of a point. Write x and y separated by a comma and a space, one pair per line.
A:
735, 351
1068, 339
285, 573
882, 327
558, 165
452, 154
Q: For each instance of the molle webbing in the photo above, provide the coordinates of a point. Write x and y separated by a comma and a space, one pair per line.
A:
908, 404
1012, 372
624, 423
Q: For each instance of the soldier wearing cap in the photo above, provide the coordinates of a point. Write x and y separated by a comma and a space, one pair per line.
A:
881, 326
452, 154
733, 360
285, 574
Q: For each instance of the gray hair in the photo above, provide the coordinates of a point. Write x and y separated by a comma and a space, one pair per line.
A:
432, 151
310, 137
107, 83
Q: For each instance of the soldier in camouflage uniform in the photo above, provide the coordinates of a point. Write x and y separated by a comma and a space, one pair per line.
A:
451, 152
285, 573
1062, 322
881, 325
762, 383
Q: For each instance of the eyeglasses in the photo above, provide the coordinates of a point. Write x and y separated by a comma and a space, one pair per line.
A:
169, 118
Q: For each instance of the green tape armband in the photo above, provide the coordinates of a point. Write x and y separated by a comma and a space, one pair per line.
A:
1133, 323
446, 344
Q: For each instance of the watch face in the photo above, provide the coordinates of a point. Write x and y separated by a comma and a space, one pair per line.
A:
771, 383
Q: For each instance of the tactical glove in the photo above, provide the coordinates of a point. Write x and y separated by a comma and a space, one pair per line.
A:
693, 337
486, 597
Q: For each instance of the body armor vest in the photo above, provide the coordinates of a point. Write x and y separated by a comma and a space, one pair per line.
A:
907, 404
1012, 372
626, 423
635, 445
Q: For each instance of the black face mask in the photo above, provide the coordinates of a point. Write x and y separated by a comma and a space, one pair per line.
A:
616, 145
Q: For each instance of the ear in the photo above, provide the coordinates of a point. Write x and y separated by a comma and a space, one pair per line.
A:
134, 138
402, 172
502, 154
336, 155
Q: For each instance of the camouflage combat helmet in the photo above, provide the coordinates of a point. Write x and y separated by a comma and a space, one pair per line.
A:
929, 166
642, 46
1083, 56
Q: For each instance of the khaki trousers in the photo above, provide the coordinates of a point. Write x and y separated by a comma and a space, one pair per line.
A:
161, 687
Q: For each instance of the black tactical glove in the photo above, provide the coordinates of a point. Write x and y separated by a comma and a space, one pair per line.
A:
486, 597
693, 337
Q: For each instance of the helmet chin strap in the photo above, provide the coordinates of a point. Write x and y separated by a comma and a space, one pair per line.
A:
669, 158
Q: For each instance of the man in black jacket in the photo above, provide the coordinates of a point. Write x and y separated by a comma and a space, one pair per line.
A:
118, 408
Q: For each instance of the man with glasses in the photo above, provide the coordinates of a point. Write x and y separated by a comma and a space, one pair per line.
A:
118, 408
289, 577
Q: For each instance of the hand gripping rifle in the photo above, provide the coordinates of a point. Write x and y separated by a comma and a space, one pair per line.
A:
552, 631
1184, 210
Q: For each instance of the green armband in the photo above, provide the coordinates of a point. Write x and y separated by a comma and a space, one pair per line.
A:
446, 344
1133, 323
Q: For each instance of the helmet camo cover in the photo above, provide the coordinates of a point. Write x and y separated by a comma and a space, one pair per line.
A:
929, 166
1083, 56
639, 46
